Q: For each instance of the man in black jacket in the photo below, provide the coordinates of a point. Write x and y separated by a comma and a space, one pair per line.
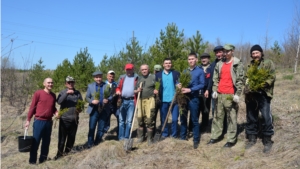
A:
68, 121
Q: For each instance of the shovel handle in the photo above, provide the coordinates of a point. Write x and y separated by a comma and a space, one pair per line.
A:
26, 132
169, 111
136, 107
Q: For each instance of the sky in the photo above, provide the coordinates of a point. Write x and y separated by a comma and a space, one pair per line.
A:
56, 30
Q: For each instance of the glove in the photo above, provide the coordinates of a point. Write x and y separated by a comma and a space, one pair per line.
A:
236, 98
214, 95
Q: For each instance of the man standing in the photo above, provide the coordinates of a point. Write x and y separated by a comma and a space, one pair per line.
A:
260, 101
112, 101
126, 90
68, 122
146, 104
97, 109
168, 80
43, 108
219, 56
227, 88
192, 91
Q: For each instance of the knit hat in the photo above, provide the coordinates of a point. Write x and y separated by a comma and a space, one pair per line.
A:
256, 47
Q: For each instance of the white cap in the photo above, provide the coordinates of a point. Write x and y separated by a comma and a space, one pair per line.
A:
110, 72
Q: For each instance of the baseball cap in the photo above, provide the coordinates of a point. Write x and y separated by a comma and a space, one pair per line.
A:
97, 73
129, 66
218, 48
70, 79
229, 47
157, 67
204, 55
111, 72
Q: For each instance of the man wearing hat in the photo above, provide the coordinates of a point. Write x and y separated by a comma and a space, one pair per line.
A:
125, 89
204, 96
110, 80
68, 122
227, 88
97, 110
260, 101
157, 68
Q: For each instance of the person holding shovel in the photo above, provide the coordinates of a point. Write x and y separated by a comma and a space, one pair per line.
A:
43, 108
68, 122
97, 109
146, 104
168, 80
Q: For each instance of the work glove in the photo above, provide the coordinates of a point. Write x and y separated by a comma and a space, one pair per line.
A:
236, 98
214, 95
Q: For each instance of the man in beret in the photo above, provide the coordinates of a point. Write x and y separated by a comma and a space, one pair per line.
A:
125, 89
260, 101
227, 88
96, 109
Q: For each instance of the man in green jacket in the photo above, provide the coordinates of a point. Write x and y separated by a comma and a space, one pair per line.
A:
259, 100
227, 87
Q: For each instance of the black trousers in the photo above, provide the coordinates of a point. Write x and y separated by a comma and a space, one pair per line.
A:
256, 102
66, 136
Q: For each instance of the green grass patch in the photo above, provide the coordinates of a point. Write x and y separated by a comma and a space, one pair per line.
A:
288, 77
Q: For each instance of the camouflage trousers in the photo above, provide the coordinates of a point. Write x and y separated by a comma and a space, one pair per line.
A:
146, 112
225, 106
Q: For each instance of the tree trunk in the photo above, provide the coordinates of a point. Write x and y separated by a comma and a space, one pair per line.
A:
297, 56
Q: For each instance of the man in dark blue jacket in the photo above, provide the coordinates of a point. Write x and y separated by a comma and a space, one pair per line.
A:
168, 79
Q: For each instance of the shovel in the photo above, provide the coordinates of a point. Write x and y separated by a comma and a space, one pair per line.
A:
158, 134
128, 143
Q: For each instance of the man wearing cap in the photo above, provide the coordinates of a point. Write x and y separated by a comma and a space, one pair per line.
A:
157, 68
260, 101
204, 96
218, 50
192, 92
168, 79
125, 89
43, 108
97, 110
146, 104
227, 88
112, 101
68, 122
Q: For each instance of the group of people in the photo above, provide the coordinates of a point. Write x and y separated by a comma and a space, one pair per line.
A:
217, 86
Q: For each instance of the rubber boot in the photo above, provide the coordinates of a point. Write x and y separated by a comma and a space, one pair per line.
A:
150, 136
267, 144
251, 141
140, 135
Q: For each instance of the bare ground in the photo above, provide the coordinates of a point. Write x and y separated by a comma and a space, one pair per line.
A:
170, 153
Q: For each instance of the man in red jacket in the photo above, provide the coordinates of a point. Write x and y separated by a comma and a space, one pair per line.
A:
43, 109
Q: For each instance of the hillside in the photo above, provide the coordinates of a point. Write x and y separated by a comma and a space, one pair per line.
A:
171, 153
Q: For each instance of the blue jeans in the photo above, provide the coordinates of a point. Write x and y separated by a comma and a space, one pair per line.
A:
125, 118
41, 131
163, 114
100, 118
193, 106
107, 125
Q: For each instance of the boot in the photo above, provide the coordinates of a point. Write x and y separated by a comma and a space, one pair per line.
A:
140, 135
149, 136
267, 144
251, 141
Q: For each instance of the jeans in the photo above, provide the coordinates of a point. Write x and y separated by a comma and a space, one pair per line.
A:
41, 131
125, 118
175, 114
107, 125
100, 118
193, 106
259, 102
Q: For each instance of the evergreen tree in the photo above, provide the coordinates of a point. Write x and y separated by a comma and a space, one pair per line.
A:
60, 73
83, 68
196, 44
38, 74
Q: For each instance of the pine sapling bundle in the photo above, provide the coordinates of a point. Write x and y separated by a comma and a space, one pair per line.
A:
185, 79
256, 77
96, 94
60, 113
107, 92
157, 86
80, 105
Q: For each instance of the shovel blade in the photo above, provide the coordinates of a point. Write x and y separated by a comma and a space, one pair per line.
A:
128, 144
156, 137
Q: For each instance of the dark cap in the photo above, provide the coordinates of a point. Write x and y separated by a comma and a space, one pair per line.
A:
256, 47
97, 73
204, 55
217, 48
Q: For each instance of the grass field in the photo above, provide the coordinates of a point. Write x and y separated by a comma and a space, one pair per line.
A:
171, 153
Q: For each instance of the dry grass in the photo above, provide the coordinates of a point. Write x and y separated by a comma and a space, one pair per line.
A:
172, 153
